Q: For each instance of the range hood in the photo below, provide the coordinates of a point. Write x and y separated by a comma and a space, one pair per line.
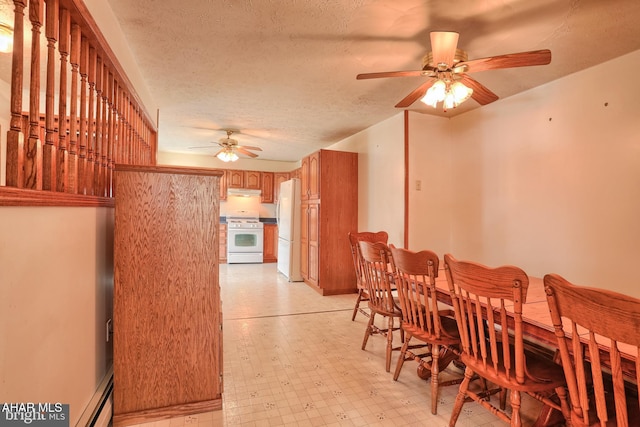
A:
246, 192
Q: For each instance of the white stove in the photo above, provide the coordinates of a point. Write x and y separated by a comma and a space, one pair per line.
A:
244, 237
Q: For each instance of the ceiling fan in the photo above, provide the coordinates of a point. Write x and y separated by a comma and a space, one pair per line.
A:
447, 68
230, 149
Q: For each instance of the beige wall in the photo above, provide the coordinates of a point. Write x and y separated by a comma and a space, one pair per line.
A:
547, 180
380, 176
56, 270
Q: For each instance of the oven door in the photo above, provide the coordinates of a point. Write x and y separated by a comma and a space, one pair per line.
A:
244, 240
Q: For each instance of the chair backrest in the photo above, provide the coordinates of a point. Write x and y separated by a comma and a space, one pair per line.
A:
367, 236
415, 281
599, 325
378, 271
483, 300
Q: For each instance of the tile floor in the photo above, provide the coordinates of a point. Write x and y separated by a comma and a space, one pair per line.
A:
293, 358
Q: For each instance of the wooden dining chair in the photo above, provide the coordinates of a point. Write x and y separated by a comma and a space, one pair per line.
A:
378, 274
599, 326
354, 238
422, 319
487, 303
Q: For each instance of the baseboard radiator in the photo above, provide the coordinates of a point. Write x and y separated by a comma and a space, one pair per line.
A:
99, 411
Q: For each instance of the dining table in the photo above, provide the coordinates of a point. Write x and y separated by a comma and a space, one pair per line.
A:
539, 334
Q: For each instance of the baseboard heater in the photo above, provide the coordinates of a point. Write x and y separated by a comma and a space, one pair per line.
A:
99, 411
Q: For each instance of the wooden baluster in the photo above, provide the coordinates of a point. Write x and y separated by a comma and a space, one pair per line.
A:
33, 151
121, 127
112, 136
91, 130
65, 179
105, 131
98, 129
15, 136
50, 148
75, 183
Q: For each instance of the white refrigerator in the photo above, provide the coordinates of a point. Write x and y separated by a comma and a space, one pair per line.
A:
288, 218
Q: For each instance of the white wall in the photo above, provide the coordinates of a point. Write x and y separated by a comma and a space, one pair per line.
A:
56, 269
547, 180
380, 151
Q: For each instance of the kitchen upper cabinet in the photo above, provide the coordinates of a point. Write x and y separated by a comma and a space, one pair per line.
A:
270, 241
235, 178
304, 178
223, 186
266, 195
167, 311
329, 213
252, 180
279, 178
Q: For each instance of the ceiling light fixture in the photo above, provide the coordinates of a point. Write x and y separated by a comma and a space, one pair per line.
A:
451, 93
6, 38
227, 155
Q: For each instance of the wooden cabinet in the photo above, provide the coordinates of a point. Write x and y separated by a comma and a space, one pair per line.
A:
252, 180
304, 178
329, 213
223, 185
266, 195
279, 178
223, 244
167, 316
235, 178
270, 251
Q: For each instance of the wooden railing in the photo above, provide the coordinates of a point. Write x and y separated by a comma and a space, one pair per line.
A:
92, 116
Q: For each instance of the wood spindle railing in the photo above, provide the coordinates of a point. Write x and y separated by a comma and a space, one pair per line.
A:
92, 116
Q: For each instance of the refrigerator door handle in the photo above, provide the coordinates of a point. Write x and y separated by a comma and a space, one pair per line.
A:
278, 212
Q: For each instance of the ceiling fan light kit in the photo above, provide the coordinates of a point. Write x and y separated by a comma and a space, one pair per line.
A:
227, 155
447, 69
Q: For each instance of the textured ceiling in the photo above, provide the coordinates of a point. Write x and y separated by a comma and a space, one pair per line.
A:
283, 72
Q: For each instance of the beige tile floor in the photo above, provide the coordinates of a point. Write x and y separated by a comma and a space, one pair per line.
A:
293, 358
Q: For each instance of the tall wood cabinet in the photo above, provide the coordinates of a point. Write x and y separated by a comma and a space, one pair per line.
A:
329, 181
167, 316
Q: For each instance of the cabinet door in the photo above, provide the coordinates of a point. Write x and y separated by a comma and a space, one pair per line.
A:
270, 248
314, 176
222, 248
252, 180
223, 187
279, 178
235, 178
266, 196
304, 241
304, 178
314, 243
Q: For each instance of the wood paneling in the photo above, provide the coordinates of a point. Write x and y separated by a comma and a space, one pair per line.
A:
167, 309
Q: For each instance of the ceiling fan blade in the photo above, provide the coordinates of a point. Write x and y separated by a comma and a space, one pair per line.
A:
245, 152
416, 94
410, 73
216, 155
443, 46
510, 60
248, 147
203, 146
481, 94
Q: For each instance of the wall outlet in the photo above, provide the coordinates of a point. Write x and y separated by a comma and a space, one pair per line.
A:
418, 185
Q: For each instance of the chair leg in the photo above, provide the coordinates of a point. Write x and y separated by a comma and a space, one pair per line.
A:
355, 309
435, 370
503, 398
403, 352
367, 332
515, 401
461, 397
389, 344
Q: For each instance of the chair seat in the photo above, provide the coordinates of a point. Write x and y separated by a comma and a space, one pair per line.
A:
541, 374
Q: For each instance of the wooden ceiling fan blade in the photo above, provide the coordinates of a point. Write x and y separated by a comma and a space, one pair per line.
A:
249, 147
443, 47
203, 146
416, 94
409, 73
481, 94
510, 60
245, 152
